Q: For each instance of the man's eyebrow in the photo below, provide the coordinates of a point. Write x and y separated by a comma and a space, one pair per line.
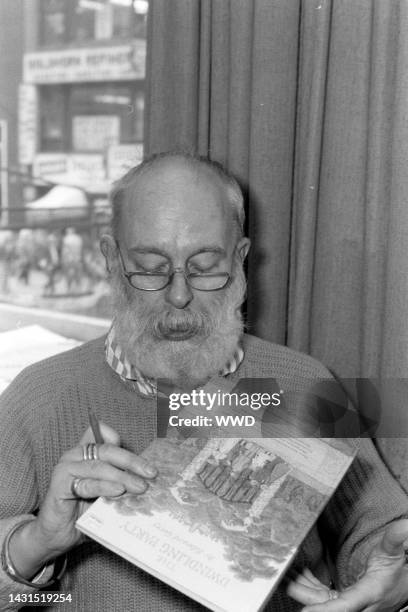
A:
148, 250
154, 250
210, 249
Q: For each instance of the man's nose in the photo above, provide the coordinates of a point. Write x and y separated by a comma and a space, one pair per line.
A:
179, 292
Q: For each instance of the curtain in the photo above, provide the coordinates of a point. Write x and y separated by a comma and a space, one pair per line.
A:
222, 82
305, 102
349, 260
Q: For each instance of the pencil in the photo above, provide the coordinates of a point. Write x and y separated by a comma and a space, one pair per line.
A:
96, 430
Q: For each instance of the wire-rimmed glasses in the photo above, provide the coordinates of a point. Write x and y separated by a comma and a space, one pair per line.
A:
155, 281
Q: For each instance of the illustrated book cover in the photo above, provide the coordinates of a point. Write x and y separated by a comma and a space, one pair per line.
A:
225, 516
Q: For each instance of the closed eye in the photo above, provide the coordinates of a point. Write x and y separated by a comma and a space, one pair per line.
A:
204, 263
196, 269
151, 267
164, 269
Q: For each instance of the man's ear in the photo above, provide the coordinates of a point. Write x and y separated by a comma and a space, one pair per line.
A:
243, 247
108, 249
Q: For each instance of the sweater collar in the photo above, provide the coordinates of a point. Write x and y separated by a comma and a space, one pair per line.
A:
118, 361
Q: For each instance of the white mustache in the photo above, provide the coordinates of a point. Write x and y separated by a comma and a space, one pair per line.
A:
163, 323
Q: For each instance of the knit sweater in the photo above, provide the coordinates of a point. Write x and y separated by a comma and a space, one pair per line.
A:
44, 412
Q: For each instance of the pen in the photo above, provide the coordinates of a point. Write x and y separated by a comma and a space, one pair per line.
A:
96, 430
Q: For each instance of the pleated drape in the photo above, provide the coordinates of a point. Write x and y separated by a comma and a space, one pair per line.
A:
305, 102
223, 82
349, 258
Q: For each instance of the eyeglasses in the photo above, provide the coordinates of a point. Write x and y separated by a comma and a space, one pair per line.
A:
154, 281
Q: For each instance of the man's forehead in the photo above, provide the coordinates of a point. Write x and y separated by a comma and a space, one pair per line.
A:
178, 174
180, 189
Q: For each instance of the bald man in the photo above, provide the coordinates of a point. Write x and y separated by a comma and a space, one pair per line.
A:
175, 262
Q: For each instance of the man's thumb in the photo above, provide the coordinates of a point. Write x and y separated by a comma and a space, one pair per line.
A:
394, 538
108, 435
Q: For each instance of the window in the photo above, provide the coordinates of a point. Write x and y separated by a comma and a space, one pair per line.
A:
64, 21
91, 117
53, 22
83, 20
111, 114
53, 133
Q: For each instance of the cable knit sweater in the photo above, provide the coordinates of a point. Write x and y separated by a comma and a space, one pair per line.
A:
44, 412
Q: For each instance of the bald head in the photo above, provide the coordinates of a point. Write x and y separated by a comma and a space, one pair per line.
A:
169, 170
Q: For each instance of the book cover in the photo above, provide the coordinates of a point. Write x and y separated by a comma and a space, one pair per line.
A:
225, 516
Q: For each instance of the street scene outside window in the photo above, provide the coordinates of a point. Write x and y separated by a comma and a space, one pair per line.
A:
71, 123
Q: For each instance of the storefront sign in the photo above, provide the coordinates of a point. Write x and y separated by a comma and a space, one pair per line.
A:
87, 171
122, 157
27, 123
125, 62
95, 132
50, 165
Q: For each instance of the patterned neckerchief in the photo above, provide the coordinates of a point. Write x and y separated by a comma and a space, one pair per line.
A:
118, 361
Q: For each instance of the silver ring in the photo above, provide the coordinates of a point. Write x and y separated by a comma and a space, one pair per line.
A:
333, 594
74, 487
90, 452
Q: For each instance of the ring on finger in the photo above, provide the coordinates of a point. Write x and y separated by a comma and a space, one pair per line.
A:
74, 487
333, 594
90, 452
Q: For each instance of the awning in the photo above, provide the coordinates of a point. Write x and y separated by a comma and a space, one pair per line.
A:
61, 202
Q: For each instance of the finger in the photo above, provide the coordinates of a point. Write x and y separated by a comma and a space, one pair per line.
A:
65, 472
301, 579
119, 457
101, 470
126, 460
317, 600
354, 599
308, 574
392, 543
336, 605
306, 594
108, 434
309, 580
89, 488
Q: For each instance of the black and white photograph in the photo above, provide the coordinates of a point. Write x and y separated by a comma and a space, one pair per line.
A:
202, 200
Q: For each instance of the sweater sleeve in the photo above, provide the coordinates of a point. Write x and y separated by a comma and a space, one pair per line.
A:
367, 500
18, 486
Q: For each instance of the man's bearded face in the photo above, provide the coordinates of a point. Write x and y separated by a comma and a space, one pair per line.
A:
183, 345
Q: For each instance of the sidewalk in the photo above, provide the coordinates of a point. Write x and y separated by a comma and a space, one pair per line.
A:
75, 326
82, 316
94, 302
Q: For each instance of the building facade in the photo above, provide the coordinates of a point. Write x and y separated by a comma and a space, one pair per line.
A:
81, 96
11, 52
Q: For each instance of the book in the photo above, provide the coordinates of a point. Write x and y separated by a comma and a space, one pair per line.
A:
225, 516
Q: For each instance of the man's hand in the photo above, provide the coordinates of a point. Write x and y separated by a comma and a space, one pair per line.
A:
382, 588
53, 532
